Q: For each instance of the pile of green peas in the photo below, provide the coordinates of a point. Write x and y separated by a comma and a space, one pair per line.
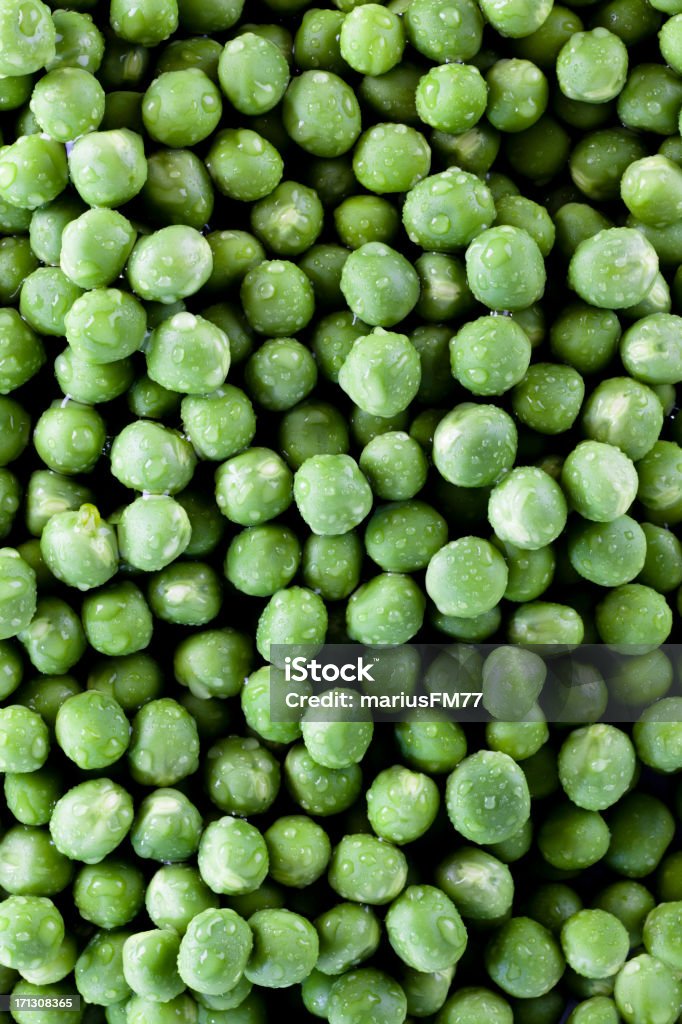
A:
350, 323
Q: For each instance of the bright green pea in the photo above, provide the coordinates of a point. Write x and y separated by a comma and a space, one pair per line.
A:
395, 466
219, 424
175, 895
278, 298
524, 959
262, 559
319, 790
298, 849
480, 885
527, 508
170, 264
31, 931
424, 25
164, 745
374, 157
335, 744
294, 618
325, 477
379, 284
362, 219
214, 951
67, 103
427, 912
243, 164
146, 456
253, 487
614, 269
167, 827
447, 211
401, 804
117, 620
382, 371
253, 73
403, 605
364, 869
108, 168
149, 964
474, 445
647, 990
452, 97
54, 639
148, 26
28, 41
31, 796
17, 594
468, 792
625, 413
549, 397
592, 66
596, 766
404, 536
280, 374
599, 481
242, 776
95, 247
285, 948
92, 730
91, 820
109, 894
657, 735
494, 260
80, 548
21, 351
609, 554
152, 532
490, 355
289, 220
517, 94
584, 337
181, 108
233, 857
33, 171
634, 614
321, 113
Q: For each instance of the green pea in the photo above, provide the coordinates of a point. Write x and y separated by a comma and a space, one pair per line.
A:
31, 931
424, 27
584, 337
646, 988
617, 288
91, 820
117, 620
132, 680
298, 850
650, 98
45, 174
54, 639
657, 735
253, 487
95, 247
149, 964
109, 894
31, 796
524, 959
379, 284
321, 113
452, 97
253, 73
319, 790
214, 951
233, 857
382, 371
447, 211
592, 66
625, 413
147, 27
364, 869
494, 259
335, 744
661, 934
175, 895
167, 827
146, 456
471, 1004
80, 548
243, 164
517, 94
599, 480
170, 264
99, 718
403, 605
30, 865
374, 162
108, 168
21, 351
164, 745
213, 663
479, 885
278, 298
426, 911
634, 614
609, 554
474, 445
469, 787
